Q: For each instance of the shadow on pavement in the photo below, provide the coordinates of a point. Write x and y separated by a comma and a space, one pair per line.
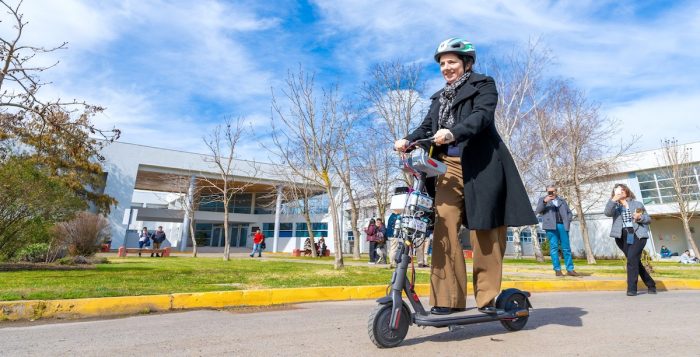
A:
564, 316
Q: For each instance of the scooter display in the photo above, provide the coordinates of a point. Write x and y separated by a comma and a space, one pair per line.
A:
389, 321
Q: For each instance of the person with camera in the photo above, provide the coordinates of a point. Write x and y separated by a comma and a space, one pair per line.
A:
630, 229
556, 220
481, 189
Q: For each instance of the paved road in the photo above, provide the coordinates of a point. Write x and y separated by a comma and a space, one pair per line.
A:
586, 324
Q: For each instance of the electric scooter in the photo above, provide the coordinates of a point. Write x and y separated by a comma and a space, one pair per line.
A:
389, 321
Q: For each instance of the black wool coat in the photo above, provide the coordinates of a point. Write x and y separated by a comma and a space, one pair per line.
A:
494, 194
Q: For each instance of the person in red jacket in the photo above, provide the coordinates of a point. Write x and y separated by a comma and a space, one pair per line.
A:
258, 240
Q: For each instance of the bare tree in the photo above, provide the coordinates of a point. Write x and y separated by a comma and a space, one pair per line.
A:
308, 136
378, 173
298, 194
23, 114
189, 196
585, 154
222, 144
679, 175
345, 165
518, 76
394, 93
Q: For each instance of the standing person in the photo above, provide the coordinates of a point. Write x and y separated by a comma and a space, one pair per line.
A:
380, 238
144, 239
370, 231
556, 220
392, 241
258, 239
481, 189
630, 229
158, 237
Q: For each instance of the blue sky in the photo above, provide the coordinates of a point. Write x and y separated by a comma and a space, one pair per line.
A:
168, 71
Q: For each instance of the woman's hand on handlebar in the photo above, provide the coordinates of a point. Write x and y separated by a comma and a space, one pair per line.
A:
443, 136
400, 145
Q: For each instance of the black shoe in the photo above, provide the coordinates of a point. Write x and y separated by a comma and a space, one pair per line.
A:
631, 293
488, 310
151, 255
139, 254
651, 290
437, 310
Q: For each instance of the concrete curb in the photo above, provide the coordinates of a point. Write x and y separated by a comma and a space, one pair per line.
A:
130, 305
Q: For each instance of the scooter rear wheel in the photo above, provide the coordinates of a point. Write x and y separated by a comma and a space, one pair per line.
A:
513, 303
378, 327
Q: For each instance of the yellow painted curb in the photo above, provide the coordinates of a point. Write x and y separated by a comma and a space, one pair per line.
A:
129, 305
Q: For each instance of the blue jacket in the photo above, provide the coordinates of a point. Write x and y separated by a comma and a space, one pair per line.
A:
614, 209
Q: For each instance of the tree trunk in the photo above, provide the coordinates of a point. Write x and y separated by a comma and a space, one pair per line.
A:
336, 229
584, 229
355, 232
194, 241
536, 248
227, 244
309, 229
689, 236
517, 246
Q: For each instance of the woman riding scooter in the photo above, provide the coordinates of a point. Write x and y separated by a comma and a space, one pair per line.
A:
481, 189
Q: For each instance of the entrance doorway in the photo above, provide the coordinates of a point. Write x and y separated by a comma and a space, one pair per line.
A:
238, 235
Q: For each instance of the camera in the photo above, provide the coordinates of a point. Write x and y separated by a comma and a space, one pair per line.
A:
550, 193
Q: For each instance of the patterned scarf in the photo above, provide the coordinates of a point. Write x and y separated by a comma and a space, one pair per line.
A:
446, 119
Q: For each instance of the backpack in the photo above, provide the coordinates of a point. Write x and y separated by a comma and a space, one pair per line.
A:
379, 237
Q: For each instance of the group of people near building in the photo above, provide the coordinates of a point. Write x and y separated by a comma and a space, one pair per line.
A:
157, 237
320, 247
383, 244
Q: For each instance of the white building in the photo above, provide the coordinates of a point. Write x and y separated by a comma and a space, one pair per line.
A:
148, 183
644, 173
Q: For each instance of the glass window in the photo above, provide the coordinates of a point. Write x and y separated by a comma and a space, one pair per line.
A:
647, 185
211, 203
319, 229
286, 230
242, 202
202, 233
265, 203
645, 176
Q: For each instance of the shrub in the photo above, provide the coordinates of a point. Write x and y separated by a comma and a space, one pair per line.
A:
76, 260
33, 253
83, 234
31, 201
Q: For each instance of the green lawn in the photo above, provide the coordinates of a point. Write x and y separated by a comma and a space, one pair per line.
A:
147, 276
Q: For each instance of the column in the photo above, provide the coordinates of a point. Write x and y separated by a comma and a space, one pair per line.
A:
278, 210
186, 220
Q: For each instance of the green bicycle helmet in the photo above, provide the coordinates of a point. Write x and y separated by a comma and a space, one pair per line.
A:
456, 45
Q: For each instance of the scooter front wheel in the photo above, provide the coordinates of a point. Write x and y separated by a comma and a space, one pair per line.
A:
515, 302
378, 327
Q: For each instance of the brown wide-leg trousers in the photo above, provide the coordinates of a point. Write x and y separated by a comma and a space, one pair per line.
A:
448, 278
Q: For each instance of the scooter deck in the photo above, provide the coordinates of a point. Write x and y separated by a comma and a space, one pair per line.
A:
470, 316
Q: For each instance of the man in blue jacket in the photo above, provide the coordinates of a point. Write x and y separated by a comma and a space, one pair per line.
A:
556, 219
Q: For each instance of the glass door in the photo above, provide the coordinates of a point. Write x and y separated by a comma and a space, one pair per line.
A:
243, 236
217, 236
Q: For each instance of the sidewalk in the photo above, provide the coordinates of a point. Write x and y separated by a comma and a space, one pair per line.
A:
130, 305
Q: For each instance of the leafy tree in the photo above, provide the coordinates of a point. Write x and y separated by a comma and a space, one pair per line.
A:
30, 202
57, 134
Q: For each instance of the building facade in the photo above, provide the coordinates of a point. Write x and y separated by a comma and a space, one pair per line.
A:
150, 185
647, 175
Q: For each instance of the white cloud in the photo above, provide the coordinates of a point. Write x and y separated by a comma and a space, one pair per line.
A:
672, 115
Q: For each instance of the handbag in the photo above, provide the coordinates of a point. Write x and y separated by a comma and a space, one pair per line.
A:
262, 245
